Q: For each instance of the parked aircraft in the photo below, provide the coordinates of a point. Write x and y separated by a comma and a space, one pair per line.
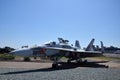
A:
56, 50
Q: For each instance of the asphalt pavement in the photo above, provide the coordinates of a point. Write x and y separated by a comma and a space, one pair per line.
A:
79, 73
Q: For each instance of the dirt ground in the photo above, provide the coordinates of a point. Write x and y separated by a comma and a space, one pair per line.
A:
38, 64
13, 64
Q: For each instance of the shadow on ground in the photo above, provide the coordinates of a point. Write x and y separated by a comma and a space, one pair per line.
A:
62, 66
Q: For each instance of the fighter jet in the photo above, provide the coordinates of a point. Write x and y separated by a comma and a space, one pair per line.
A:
56, 50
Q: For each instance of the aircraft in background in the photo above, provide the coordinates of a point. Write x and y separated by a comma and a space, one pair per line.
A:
56, 50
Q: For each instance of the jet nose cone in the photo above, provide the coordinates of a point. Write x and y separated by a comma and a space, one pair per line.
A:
12, 53
22, 52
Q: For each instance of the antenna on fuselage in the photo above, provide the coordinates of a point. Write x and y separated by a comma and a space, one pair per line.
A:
61, 40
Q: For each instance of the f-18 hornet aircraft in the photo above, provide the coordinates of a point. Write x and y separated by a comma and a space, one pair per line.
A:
56, 50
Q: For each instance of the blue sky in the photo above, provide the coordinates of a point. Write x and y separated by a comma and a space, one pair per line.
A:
30, 22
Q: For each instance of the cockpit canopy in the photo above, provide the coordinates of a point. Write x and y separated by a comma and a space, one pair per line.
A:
50, 43
66, 46
60, 45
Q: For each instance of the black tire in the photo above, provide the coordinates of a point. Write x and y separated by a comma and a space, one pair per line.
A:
68, 61
107, 66
54, 66
79, 61
85, 61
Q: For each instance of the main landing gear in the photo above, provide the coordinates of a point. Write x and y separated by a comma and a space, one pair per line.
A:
77, 60
81, 61
55, 63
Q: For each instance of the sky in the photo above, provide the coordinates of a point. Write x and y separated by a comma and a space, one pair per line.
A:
34, 22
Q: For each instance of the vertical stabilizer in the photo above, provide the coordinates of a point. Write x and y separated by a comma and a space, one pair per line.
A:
77, 44
102, 47
90, 46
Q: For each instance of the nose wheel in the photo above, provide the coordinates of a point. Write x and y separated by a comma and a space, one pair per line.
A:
85, 61
69, 61
54, 65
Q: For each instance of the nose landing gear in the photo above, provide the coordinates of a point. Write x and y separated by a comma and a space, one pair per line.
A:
55, 63
54, 66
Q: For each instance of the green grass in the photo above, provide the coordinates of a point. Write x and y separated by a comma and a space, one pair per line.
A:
6, 57
64, 58
100, 57
107, 58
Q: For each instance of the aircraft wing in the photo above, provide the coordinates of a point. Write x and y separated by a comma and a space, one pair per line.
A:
80, 52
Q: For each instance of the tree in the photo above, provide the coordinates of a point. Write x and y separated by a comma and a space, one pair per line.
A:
6, 49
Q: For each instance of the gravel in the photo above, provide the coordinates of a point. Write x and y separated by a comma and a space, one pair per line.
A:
79, 73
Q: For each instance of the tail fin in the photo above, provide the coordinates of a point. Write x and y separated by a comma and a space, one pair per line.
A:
90, 46
102, 47
77, 44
